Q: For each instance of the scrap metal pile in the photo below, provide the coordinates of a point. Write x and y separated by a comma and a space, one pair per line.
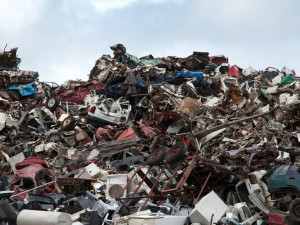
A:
150, 141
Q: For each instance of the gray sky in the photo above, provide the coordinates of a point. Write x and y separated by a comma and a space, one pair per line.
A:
62, 39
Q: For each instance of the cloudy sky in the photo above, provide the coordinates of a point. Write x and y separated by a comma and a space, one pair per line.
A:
62, 39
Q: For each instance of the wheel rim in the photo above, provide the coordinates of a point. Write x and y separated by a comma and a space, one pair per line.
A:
67, 122
156, 154
297, 210
51, 102
55, 138
174, 151
69, 133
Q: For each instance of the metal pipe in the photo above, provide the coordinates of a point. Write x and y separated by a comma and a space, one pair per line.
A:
138, 187
204, 185
37, 217
32, 189
155, 183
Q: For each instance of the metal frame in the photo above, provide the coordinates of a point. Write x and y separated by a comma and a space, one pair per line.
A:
177, 191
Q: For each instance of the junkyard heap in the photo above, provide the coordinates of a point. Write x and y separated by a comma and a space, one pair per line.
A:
150, 141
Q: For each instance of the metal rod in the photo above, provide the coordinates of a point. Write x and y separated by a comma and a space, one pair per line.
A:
203, 187
32, 189
138, 187
155, 183
133, 175
173, 175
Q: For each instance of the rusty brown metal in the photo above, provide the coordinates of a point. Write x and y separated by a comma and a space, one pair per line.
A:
129, 181
140, 184
183, 179
155, 183
201, 191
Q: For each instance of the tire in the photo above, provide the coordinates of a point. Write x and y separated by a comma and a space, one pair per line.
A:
93, 92
69, 133
54, 138
14, 95
176, 152
294, 209
68, 124
53, 103
157, 156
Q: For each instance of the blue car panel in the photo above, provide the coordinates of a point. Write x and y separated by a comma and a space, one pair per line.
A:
283, 177
24, 89
187, 74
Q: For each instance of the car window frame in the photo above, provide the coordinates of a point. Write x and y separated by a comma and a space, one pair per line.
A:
286, 171
290, 170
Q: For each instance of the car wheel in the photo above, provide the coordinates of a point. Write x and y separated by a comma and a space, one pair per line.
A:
68, 123
69, 133
54, 138
14, 95
157, 156
294, 209
176, 152
53, 103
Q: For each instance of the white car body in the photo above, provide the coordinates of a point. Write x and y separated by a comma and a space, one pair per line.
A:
110, 111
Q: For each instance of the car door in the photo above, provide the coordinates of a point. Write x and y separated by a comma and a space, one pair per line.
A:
293, 178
